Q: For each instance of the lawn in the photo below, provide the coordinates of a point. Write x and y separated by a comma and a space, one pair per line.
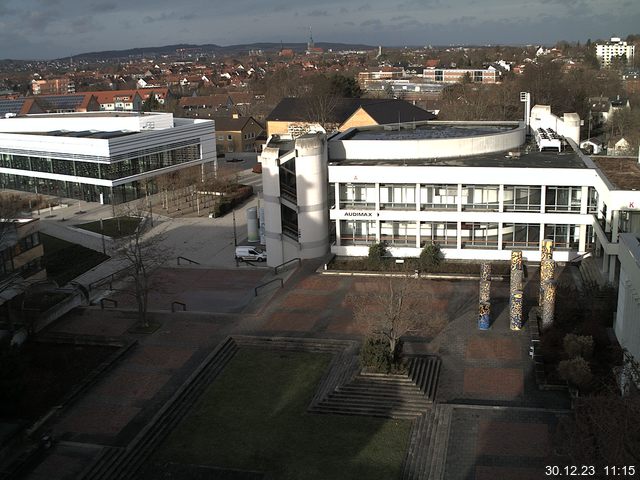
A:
36, 377
253, 417
113, 227
65, 261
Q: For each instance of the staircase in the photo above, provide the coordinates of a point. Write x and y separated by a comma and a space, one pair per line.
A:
390, 396
427, 454
122, 463
590, 273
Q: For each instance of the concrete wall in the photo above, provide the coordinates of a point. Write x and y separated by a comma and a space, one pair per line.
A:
627, 323
427, 148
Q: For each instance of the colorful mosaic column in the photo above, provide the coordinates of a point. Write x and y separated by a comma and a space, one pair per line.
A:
484, 319
515, 290
547, 249
548, 303
485, 283
515, 310
547, 273
484, 307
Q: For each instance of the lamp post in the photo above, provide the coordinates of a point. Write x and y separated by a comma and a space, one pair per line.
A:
235, 236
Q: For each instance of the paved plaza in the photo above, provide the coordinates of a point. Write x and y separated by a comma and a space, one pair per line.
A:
501, 427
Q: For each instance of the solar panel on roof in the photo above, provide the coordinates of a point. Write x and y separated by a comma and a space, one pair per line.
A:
69, 102
11, 106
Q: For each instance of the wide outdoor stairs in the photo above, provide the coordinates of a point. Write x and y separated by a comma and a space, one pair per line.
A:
590, 273
426, 457
121, 463
390, 396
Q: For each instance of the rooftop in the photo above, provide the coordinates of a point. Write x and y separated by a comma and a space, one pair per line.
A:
83, 134
409, 131
623, 173
533, 159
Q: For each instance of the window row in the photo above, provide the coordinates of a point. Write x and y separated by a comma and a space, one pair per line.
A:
472, 234
110, 171
471, 197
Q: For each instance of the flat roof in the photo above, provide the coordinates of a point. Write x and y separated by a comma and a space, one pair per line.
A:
623, 173
421, 131
83, 134
533, 159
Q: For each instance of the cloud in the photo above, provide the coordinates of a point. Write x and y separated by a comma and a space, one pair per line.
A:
401, 17
84, 24
103, 7
364, 8
318, 13
371, 23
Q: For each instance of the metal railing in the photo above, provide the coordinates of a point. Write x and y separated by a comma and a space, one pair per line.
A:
280, 267
187, 260
108, 279
255, 290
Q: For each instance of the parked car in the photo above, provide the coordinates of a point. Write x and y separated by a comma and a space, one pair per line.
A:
249, 253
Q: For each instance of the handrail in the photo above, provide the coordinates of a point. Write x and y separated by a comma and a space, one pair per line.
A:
187, 259
581, 257
255, 290
113, 302
183, 305
108, 279
275, 270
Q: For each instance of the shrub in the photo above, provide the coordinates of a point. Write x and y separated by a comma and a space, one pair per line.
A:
431, 256
376, 356
377, 251
578, 345
575, 371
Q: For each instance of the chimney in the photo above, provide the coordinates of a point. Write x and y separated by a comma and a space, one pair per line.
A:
235, 115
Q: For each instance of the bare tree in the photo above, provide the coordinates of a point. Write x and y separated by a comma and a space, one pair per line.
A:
396, 307
142, 253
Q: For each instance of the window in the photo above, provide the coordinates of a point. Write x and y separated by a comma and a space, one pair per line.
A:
229, 137
480, 197
357, 232
398, 233
563, 199
444, 234
398, 197
592, 202
478, 234
521, 235
438, 197
565, 237
523, 198
357, 195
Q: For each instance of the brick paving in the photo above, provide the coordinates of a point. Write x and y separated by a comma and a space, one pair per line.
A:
502, 383
483, 367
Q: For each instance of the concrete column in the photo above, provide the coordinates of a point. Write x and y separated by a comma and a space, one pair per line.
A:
584, 200
338, 233
605, 263
336, 194
459, 197
543, 199
501, 198
612, 269
417, 197
582, 241
377, 186
515, 310
500, 236
615, 223
459, 234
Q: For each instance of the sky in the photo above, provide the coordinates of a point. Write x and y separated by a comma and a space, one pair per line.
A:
47, 29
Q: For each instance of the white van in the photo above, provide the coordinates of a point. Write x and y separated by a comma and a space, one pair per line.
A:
247, 252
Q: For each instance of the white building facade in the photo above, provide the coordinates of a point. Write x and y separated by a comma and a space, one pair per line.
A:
615, 48
100, 156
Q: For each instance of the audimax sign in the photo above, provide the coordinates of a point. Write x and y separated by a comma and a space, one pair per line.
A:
361, 214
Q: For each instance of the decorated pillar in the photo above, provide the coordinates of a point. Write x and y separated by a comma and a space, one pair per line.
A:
484, 318
515, 310
548, 303
547, 274
485, 283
